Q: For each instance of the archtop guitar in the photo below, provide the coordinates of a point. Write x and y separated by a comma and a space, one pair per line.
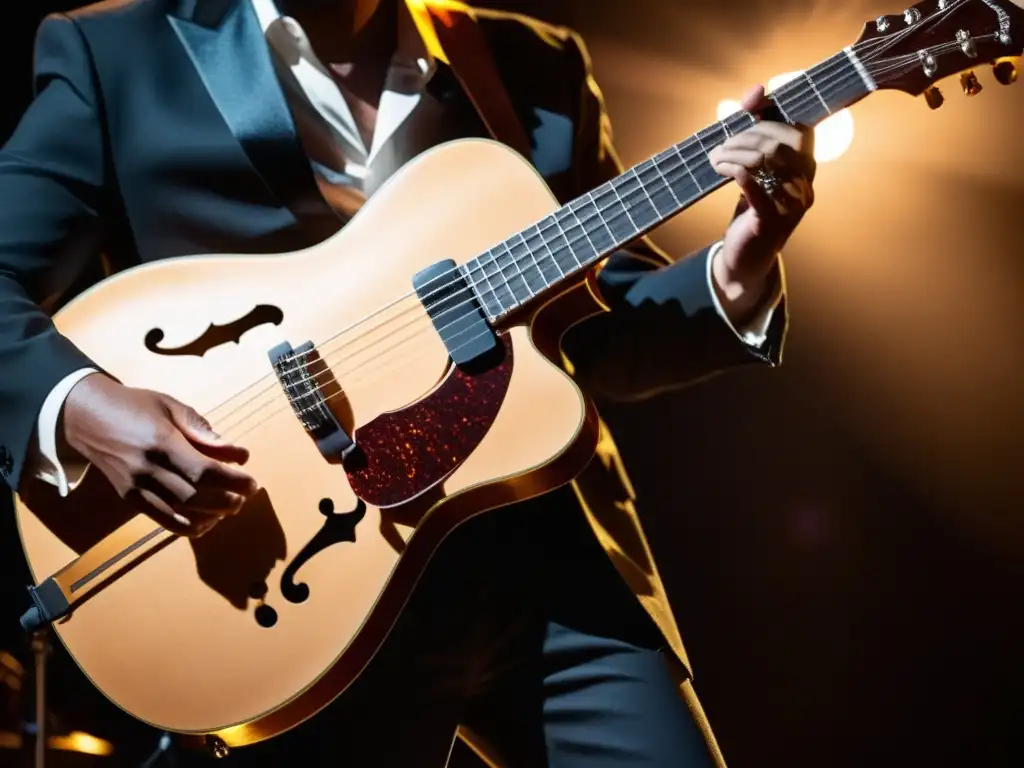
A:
385, 400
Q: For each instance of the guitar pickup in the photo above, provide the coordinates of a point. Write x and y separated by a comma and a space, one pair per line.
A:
453, 308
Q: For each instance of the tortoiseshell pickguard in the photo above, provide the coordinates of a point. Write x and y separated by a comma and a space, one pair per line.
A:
409, 451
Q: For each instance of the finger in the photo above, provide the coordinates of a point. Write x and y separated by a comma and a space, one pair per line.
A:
782, 160
152, 505
752, 140
175, 493
752, 159
195, 427
780, 133
759, 200
167, 484
229, 478
216, 502
198, 504
754, 100
791, 164
206, 472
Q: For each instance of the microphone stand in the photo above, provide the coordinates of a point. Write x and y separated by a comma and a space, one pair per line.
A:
40, 648
163, 747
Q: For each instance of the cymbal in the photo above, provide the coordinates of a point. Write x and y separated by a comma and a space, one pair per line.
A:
78, 742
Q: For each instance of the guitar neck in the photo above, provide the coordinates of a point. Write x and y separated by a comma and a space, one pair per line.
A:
577, 236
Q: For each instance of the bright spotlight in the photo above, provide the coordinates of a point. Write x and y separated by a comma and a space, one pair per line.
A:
726, 108
832, 137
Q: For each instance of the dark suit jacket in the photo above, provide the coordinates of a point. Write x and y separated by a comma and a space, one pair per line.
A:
159, 129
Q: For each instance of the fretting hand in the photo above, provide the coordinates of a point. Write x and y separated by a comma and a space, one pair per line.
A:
773, 164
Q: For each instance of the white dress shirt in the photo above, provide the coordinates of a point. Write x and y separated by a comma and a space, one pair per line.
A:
334, 144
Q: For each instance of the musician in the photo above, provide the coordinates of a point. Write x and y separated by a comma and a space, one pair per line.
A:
164, 128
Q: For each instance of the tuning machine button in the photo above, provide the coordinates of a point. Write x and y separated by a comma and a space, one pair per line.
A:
1005, 72
969, 82
933, 96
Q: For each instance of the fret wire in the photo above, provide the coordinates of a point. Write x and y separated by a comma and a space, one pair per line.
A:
585, 233
777, 98
568, 243
600, 215
643, 188
670, 190
467, 272
547, 241
519, 269
702, 147
552, 224
533, 256
544, 242
788, 100
814, 88
504, 282
571, 242
552, 254
686, 165
494, 291
831, 73
625, 208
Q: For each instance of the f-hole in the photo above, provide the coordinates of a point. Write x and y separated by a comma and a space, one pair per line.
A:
337, 527
216, 335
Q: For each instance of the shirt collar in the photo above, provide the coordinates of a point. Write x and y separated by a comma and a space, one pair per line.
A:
417, 45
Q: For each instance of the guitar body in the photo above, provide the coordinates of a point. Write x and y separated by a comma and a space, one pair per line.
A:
255, 627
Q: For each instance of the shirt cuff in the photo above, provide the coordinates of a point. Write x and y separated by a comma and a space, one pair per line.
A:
49, 467
755, 332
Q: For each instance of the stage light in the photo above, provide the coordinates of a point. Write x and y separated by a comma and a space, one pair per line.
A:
82, 743
832, 137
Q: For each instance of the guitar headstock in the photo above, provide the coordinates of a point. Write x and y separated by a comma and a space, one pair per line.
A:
936, 39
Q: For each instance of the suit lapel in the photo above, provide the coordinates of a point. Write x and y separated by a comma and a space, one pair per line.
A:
226, 45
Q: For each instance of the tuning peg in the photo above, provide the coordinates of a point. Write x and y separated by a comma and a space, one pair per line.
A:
933, 96
969, 82
1005, 72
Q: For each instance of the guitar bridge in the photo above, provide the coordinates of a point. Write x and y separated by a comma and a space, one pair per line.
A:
306, 397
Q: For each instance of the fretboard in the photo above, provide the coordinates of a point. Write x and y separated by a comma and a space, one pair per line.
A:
581, 233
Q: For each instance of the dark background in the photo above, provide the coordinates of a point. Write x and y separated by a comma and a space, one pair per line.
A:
842, 537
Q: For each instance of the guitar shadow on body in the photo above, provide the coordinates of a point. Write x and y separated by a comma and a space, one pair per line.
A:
234, 559
236, 554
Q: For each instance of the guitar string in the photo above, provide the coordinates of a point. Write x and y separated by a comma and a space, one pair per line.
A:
332, 359
549, 223
271, 416
798, 104
880, 43
482, 265
686, 160
597, 212
304, 411
350, 380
